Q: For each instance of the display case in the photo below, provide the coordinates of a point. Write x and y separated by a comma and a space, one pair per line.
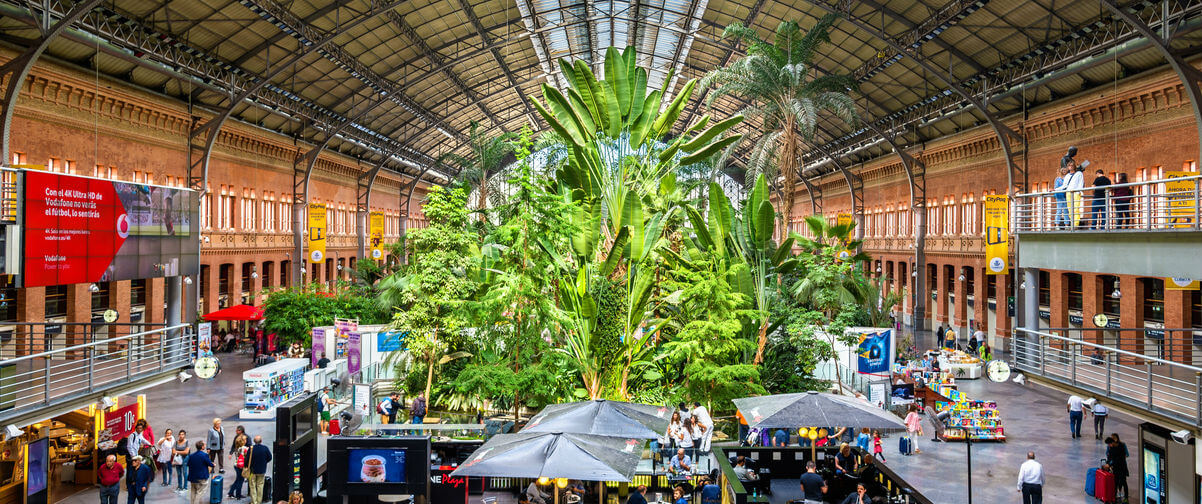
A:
270, 385
979, 420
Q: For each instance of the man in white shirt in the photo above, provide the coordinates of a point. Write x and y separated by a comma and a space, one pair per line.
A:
1100, 413
702, 416
1030, 480
1076, 412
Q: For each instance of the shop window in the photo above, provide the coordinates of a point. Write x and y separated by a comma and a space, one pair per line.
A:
8, 301
1045, 288
18, 158
223, 279
1195, 310
1074, 291
1110, 304
246, 270
56, 301
137, 292
100, 298
1153, 299
991, 287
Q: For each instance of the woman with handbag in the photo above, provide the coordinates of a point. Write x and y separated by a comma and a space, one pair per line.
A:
164, 448
238, 453
179, 457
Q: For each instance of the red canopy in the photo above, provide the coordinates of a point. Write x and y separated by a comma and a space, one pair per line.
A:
238, 312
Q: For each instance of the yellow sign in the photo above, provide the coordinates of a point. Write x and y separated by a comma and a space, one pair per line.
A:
1174, 283
844, 219
317, 233
1181, 198
376, 235
997, 234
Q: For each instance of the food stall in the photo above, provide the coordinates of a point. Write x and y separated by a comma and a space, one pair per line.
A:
961, 365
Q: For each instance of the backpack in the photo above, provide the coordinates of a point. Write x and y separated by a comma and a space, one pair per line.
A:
380, 407
321, 403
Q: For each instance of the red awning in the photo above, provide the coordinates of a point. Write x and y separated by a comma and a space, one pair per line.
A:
238, 312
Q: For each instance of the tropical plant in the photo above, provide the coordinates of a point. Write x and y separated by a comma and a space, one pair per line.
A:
293, 313
778, 80
488, 156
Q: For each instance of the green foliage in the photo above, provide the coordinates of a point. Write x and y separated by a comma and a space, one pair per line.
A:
292, 313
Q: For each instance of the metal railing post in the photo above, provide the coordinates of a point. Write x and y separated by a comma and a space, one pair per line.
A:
46, 388
1148, 206
1073, 359
1043, 365
1108, 373
162, 350
91, 371
1148, 367
1197, 204
1198, 398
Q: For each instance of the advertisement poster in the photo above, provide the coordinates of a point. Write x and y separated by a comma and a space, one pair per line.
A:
1153, 477
317, 233
1180, 194
83, 230
353, 339
120, 422
390, 341
376, 466
319, 346
376, 236
997, 234
874, 351
362, 400
204, 339
35, 466
344, 328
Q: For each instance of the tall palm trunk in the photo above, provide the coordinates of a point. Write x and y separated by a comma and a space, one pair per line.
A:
788, 168
761, 342
482, 204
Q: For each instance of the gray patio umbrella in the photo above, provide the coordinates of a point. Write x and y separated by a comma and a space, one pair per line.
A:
814, 409
555, 455
604, 418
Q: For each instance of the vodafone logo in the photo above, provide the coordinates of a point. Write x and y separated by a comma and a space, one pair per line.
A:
123, 226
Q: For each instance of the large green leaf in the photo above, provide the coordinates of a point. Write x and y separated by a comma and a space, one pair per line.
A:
665, 121
614, 112
559, 127
642, 125
566, 115
708, 135
616, 77
765, 222
587, 120
615, 251
632, 218
710, 150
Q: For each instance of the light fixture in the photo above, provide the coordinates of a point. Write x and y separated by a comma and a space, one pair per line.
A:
94, 288
12, 431
961, 277
183, 376
1023, 285
254, 275
543, 480
878, 269
188, 279
1116, 294
206, 239
914, 274
107, 402
561, 482
303, 270
339, 267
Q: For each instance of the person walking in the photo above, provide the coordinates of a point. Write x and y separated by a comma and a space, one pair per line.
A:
385, 409
1122, 202
179, 460
238, 453
914, 427
1116, 456
257, 458
137, 482
1100, 412
1097, 215
394, 400
1076, 412
703, 420
1059, 186
110, 475
1030, 480
164, 447
417, 409
813, 487
744, 428
878, 448
199, 465
216, 444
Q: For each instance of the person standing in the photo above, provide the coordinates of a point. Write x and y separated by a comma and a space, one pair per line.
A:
166, 444
1097, 216
813, 487
258, 457
1116, 456
418, 408
323, 361
1030, 480
1076, 182
179, 460
394, 400
134, 442
1100, 412
744, 429
238, 453
216, 444
325, 406
110, 475
703, 420
384, 409
199, 465
1059, 186
1122, 202
1076, 412
138, 481
914, 427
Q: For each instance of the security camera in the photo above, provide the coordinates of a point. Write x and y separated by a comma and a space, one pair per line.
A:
184, 376
335, 382
1020, 378
12, 431
1182, 436
107, 402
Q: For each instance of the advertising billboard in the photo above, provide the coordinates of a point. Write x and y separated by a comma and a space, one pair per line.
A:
874, 350
83, 230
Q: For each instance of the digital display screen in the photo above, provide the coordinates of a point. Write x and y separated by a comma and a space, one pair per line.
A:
36, 468
1153, 476
304, 422
376, 466
82, 230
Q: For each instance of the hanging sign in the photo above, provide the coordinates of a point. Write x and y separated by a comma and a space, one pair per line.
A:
1175, 283
319, 346
317, 233
376, 227
120, 422
353, 351
1181, 198
204, 340
997, 234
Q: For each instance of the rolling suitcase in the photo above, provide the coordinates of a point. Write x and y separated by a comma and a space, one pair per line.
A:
216, 490
266, 489
335, 429
905, 445
1104, 487
1091, 480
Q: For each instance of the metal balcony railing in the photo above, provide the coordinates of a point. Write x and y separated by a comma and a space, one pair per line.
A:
1155, 205
1153, 384
55, 377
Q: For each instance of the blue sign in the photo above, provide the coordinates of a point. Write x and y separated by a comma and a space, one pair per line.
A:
875, 351
376, 466
390, 341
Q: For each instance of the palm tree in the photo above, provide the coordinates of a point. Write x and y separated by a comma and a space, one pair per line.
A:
778, 81
489, 155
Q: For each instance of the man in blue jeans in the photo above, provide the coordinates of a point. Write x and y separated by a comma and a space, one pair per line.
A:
1076, 412
418, 409
110, 475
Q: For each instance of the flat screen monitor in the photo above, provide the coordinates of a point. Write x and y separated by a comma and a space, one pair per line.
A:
904, 391
376, 465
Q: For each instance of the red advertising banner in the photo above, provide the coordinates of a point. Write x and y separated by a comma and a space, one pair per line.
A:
82, 230
120, 422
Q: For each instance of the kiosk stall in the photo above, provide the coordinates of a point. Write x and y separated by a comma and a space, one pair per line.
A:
269, 385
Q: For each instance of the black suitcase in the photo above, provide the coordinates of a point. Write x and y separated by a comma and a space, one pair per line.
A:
266, 489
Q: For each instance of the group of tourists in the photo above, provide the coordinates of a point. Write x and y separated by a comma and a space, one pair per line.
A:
1070, 205
689, 434
188, 466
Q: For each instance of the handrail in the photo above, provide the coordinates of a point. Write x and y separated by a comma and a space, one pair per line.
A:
82, 346
1170, 204
1111, 349
1111, 186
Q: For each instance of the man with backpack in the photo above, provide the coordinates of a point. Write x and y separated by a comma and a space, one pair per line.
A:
418, 409
386, 411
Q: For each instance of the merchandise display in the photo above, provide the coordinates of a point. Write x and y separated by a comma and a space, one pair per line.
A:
271, 385
960, 364
968, 417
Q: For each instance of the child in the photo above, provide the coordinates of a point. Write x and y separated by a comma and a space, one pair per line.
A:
864, 440
877, 451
